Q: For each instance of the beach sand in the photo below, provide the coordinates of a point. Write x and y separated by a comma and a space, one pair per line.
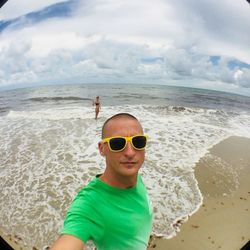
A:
223, 220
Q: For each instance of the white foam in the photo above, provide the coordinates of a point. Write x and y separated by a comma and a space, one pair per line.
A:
54, 114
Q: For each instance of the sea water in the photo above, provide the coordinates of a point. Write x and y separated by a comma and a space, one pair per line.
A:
48, 149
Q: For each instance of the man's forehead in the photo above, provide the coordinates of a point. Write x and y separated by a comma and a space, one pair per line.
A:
122, 119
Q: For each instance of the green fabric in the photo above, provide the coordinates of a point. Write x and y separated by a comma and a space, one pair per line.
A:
114, 218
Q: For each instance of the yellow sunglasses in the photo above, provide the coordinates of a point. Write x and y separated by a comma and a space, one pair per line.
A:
118, 143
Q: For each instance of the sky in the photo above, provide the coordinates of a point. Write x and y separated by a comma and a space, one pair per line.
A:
202, 44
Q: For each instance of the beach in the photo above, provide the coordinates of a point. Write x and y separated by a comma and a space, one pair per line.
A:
49, 151
223, 220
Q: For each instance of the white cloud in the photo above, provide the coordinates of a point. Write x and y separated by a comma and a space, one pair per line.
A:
243, 78
238, 75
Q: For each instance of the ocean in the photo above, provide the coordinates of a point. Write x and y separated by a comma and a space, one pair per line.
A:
48, 149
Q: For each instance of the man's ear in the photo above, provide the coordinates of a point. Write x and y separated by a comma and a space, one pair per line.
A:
101, 148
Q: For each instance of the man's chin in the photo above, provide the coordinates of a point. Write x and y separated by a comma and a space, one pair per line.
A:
130, 171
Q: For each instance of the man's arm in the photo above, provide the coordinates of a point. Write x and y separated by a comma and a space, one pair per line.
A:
67, 242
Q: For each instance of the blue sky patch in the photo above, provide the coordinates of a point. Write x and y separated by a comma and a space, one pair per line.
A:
215, 59
237, 64
152, 60
63, 9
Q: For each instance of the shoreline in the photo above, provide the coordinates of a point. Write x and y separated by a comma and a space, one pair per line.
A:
222, 222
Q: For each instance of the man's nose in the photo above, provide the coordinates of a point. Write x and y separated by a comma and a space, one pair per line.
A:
129, 150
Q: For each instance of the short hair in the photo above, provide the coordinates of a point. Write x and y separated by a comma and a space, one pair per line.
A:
117, 116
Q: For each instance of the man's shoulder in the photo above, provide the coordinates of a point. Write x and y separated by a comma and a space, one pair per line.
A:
85, 192
90, 188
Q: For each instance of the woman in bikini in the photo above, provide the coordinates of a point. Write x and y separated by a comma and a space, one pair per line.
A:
96, 102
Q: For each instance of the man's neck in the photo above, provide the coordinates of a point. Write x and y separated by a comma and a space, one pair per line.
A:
119, 181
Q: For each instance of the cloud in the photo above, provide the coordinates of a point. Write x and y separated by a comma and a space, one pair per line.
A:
242, 77
186, 42
107, 59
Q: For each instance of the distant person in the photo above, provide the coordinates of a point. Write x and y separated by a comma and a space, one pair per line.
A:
97, 105
113, 210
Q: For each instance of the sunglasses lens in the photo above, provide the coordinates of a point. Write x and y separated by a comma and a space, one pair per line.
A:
117, 144
139, 142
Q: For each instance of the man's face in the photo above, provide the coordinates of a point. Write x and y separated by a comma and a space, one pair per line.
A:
127, 162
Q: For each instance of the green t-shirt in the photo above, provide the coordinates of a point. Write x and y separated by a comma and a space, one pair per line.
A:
113, 218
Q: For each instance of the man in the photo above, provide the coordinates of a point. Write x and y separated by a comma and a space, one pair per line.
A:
113, 210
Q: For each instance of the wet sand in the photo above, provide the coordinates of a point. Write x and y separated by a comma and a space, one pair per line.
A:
223, 221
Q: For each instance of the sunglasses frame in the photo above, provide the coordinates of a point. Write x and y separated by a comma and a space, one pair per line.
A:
127, 139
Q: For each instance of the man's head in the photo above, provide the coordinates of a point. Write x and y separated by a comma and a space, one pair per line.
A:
126, 162
115, 117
